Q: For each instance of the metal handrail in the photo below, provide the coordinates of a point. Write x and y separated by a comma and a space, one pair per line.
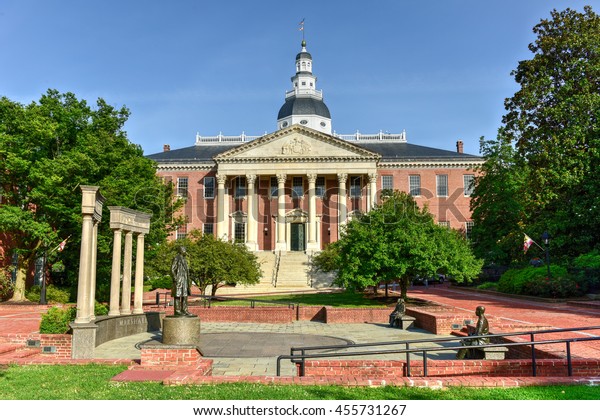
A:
303, 356
275, 274
208, 299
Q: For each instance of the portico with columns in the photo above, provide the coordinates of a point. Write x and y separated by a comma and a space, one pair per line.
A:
291, 208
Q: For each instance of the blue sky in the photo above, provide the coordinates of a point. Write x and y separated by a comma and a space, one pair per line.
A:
439, 69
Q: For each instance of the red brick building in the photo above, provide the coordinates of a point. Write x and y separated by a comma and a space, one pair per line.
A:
292, 189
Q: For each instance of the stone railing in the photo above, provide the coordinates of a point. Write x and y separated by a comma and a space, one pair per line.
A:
356, 137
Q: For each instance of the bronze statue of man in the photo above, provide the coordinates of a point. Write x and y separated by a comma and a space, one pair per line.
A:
181, 283
482, 328
398, 313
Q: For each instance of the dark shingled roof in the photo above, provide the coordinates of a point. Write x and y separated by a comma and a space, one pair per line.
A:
407, 151
203, 153
389, 152
303, 106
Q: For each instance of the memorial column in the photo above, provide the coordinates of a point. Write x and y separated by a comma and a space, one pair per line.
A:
126, 289
115, 274
138, 294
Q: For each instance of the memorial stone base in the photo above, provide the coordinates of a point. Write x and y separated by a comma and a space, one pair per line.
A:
181, 331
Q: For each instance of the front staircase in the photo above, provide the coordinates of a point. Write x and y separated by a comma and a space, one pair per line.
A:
286, 272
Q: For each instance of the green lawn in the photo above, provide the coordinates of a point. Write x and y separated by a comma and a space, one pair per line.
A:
92, 382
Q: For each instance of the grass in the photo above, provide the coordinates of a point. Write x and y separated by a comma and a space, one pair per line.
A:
92, 382
340, 300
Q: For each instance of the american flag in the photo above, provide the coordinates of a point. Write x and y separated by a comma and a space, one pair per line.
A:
61, 246
301, 25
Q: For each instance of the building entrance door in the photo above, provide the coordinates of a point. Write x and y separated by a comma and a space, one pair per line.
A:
297, 237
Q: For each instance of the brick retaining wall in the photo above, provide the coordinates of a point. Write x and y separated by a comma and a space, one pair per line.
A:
61, 342
448, 368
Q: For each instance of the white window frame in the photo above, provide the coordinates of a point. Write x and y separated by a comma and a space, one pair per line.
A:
210, 188
355, 190
468, 184
182, 186
441, 188
412, 188
387, 179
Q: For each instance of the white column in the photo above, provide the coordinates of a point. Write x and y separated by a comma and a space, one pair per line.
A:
221, 222
372, 191
115, 274
138, 291
85, 259
126, 290
281, 242
251, 219
312, 244
342, 201
93, 269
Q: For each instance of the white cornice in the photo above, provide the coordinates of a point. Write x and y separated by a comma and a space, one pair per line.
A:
431, 164
182, 166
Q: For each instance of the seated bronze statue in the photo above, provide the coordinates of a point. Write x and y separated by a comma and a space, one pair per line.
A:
482, 328
398, 313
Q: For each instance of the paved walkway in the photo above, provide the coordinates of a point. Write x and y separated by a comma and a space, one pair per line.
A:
243, 339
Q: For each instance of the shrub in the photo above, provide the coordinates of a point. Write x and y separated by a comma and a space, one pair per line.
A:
6, 286
534, 281
56, 320
100, 309
53, 294
164, 282
488, 285
586, 270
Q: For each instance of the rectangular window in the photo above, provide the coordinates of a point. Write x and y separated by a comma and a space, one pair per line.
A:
181, 232
320, 187
297, 187
468, 229
469, 184
442, 185
387, 182
355, 186
274, 187
209, 187
240, 232
182, 187
208, 229
445, 224
414, 185
240, 187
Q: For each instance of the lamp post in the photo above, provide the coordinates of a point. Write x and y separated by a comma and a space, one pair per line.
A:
546, 239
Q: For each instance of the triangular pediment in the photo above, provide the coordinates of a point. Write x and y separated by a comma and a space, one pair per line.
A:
297, 143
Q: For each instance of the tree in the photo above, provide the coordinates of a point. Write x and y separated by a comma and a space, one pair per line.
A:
553, 123
47, 150
212, 262
397, 241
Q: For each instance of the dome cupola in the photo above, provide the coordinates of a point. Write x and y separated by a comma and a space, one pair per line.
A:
304, 103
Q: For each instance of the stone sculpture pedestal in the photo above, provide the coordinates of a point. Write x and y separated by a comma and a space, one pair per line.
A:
181, 331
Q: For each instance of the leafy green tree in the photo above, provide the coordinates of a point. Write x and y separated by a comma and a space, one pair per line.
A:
48, 149
497, 204
397, 241
553, 123
212, 262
